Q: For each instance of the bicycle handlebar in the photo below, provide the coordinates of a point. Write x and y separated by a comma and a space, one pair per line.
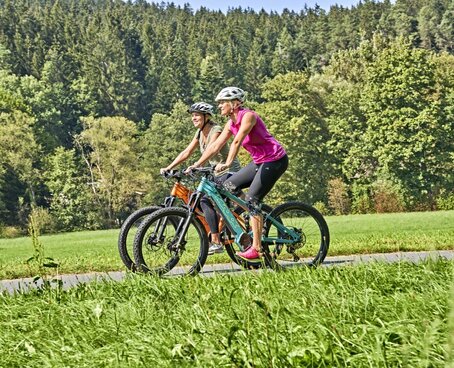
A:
169, 174
203, 170
207, 171
192, 174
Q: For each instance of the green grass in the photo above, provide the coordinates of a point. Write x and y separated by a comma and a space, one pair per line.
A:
374, 315
380, 233
97, 250
77, 252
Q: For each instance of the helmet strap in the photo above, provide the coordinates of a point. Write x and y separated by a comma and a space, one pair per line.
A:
205, 121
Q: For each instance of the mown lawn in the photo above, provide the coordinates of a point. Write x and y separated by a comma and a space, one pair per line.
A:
374, 315
97, 250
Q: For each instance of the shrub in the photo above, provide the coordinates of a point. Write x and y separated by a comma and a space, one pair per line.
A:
322, 208
362, 204
387, 197
43, 219
338, 199
11, 232
361, 199
445, 201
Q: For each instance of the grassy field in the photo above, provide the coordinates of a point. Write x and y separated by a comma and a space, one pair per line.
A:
97, 250
374, 315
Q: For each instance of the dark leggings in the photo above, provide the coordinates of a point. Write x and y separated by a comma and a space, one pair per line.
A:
260, 178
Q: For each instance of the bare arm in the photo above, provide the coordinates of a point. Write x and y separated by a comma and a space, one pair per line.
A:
213, 139
183, 155
214, 147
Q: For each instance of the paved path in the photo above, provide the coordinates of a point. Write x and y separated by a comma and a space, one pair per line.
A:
25, 284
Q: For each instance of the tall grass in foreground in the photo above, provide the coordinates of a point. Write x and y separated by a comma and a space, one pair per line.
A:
450, 345
374, 315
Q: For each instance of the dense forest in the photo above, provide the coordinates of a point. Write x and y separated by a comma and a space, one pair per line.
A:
94, 93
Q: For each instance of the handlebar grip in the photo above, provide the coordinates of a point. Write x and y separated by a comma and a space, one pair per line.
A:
171, 174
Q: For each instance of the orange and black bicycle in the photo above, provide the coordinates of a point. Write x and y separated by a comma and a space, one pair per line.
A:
181, 193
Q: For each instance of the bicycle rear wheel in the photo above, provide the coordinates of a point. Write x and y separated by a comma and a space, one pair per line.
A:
157, 248
127, 232
305, 220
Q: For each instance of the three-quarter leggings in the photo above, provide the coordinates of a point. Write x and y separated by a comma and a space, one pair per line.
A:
260, 178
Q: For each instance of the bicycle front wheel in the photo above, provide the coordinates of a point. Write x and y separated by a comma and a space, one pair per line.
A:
127, 232
313, 244
158, 247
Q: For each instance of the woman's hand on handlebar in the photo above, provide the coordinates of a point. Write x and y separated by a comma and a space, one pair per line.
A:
220, 168
189, 169
169, 173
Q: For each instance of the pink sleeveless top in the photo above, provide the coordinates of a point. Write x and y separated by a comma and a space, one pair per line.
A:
262, 146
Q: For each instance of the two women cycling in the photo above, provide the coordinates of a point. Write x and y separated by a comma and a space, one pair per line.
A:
269, 159
207, 133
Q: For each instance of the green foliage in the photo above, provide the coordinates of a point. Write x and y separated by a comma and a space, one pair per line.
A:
111, 148
445, 201
165, 138
345, 121
210, 79
405, 132
322, 208
372, 106
338, 197
282, 61
71, 199
361, 199
4, 55
9, 232
19, 150
39, 221
174, 78
46, 100
293, 114
111, 71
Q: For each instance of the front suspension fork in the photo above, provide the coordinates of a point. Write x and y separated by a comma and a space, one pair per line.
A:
183, 226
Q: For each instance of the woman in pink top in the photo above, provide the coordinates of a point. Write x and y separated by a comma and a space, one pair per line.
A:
269, 158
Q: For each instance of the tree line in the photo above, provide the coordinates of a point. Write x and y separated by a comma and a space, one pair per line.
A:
93, 99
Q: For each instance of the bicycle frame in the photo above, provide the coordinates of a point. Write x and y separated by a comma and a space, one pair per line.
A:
210, 189
182, 192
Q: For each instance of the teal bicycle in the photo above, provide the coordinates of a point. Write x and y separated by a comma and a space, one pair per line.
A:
294, 233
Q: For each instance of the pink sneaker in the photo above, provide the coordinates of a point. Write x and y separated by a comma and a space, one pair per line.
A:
250, 254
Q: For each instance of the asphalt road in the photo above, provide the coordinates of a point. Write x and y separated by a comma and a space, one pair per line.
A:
68, 281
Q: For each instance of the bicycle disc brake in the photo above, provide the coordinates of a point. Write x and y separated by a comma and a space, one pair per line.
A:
153, 244
173, 247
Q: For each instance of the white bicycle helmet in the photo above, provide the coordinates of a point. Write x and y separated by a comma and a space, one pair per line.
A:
231, 93
201, 107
